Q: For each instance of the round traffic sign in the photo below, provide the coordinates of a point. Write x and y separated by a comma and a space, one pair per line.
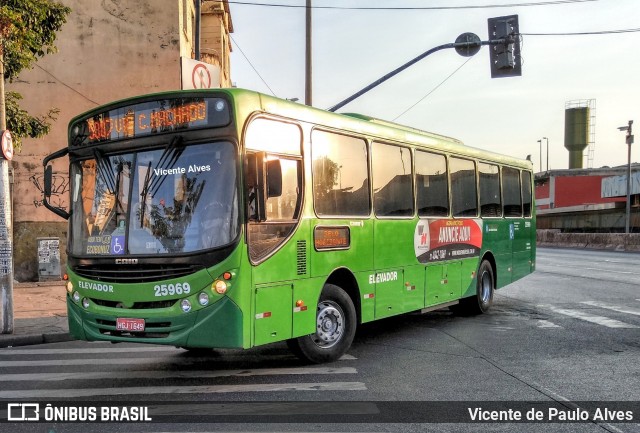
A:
200, 77
7, 145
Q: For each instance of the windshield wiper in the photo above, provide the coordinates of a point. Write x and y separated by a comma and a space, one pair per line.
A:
167, 160
105, 170
143, 195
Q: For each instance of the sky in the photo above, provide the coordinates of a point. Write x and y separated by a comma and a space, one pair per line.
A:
352, 48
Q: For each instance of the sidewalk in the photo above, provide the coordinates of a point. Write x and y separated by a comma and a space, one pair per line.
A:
39, 314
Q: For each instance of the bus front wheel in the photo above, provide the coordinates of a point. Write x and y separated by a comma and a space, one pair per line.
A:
335, 328
485, 287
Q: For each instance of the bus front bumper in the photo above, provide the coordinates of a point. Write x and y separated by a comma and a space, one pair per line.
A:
217, 326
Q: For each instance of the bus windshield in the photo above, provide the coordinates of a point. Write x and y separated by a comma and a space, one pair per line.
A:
176, 199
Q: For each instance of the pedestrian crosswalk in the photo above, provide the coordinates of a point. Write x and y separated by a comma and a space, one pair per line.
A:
593, 312
94, 370
98, 369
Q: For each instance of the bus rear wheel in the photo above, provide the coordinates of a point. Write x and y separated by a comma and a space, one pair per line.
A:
335, 328
485, 287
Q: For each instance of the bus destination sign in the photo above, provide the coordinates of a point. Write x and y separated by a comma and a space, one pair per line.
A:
149, 118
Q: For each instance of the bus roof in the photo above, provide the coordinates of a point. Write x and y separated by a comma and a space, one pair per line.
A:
381, 129
249, 101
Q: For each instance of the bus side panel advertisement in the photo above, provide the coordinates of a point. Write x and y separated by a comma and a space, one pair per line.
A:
439, 240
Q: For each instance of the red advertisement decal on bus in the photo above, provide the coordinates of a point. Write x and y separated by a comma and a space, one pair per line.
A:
437, 240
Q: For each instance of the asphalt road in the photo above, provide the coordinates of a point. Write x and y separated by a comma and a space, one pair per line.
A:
564, 337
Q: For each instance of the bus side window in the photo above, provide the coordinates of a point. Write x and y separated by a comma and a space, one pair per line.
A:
273, 184
489, 182
511, 192
432, 185
464, 199
340, 175
526, 193
281, 205
392, 180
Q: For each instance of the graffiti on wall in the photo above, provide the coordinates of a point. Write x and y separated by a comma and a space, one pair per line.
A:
59, 190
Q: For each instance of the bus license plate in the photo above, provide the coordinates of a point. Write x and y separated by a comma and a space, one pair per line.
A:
131, 325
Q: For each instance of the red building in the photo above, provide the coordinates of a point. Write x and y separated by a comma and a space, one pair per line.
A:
587, 200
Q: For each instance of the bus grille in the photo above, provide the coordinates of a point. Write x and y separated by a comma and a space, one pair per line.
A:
134, 274
136, 305
302, 257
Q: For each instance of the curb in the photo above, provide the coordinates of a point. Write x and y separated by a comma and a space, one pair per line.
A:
32, 339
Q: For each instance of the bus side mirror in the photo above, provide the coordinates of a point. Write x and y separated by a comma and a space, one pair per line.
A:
48, 183
264, 180
274, 178
256, 186
48, 176
48, 180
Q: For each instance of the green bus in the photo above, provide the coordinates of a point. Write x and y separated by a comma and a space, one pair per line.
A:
230, 219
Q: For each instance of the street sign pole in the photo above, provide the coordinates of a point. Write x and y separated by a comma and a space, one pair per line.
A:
6, 230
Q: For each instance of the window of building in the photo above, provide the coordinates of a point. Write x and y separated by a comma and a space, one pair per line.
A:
340, 175
464, 198
392, 180
511, 192
489, 182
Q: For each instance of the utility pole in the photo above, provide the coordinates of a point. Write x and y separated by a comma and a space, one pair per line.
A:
197, 24
308, 62
540, 143
6, 231
629, 141
545, 138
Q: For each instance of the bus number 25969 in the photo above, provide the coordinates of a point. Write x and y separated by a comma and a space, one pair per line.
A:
172, 289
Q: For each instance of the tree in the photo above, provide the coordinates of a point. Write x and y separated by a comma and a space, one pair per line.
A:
27, 31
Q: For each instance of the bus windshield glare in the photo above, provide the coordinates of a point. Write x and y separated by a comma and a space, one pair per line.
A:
171, 200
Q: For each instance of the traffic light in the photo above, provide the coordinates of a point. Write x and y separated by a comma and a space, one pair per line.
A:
504, 53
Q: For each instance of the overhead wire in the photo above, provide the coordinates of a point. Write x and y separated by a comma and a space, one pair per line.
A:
432, 90
413, 8
251, 64
65, 84
600, 32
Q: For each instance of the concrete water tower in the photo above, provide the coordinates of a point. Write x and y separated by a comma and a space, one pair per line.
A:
579, 131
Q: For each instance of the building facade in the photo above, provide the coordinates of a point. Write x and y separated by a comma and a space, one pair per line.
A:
107, 50
587, 200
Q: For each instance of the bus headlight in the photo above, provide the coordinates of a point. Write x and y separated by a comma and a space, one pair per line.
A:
203, 299
76, 296
69, 287
186, 305
220, 287
85, 302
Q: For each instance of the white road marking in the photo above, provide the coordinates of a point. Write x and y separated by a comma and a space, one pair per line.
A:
599, 320
547, 324
606, 306
91, 350
198, 389
104, 361
157, 374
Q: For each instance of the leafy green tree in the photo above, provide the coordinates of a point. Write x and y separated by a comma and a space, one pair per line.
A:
27, 31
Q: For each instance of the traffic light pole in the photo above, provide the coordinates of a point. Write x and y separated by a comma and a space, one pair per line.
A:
472, 48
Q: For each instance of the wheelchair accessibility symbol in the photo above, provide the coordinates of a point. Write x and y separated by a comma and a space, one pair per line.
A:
117, 245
